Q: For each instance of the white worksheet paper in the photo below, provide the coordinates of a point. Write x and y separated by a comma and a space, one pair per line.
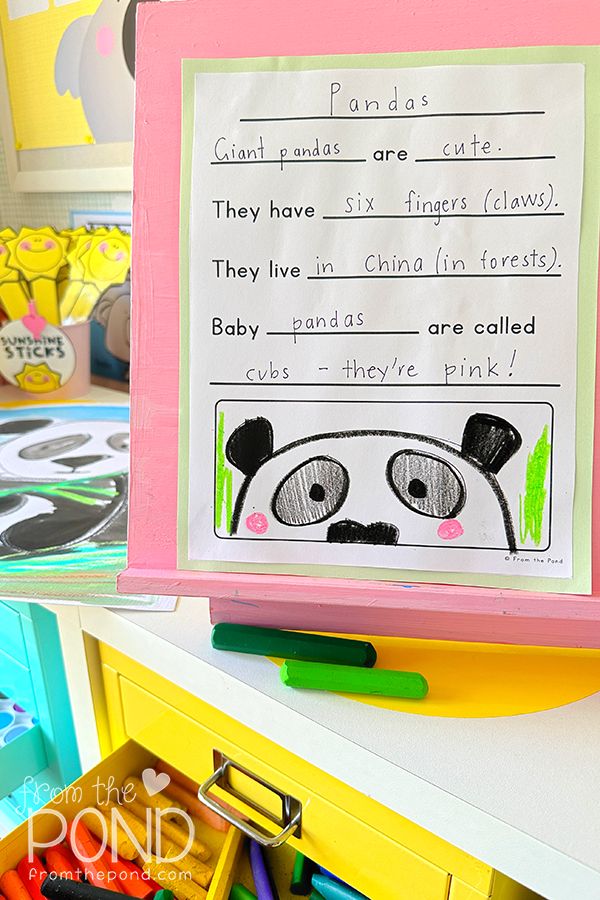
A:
383, 275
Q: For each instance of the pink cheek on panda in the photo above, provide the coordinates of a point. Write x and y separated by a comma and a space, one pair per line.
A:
450, 529
257, 523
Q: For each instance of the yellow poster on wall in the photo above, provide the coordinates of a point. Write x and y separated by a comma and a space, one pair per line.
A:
69, 67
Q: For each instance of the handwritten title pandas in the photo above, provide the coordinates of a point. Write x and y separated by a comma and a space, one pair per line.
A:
344, 102
62, 483
376, 487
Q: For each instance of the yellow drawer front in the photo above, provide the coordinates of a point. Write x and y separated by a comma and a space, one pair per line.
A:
46, 826
503, 888
461, 891
363, 856
142, 716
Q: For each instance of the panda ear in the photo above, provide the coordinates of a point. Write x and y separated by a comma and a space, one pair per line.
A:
490, 441
22, 426
250, 445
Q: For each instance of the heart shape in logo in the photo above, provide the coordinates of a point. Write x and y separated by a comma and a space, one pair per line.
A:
155, 782
33, 322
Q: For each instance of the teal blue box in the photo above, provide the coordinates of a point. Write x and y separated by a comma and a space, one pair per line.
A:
44, 759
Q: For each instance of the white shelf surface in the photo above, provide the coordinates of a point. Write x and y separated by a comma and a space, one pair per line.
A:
521, 793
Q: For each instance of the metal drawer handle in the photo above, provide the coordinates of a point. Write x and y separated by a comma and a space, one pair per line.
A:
290, 820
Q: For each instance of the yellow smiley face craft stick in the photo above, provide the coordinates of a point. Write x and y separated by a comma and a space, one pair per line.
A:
85, 303
68, 294
6, 234
106, 262
37, 252
69, 290
6, 272
13, 292
108, 258
78, 248
73, 233
14, 299
44, 292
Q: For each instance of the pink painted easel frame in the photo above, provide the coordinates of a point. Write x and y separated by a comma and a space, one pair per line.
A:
168, 33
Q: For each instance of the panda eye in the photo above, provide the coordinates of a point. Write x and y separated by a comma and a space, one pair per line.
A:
119, 441
47, 449
311, 493
426, 485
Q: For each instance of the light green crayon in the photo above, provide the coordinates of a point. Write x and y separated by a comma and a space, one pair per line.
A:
353, 680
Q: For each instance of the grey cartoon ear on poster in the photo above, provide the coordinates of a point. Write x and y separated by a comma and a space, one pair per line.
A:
250, 445
113, 312
489, 441
95, 62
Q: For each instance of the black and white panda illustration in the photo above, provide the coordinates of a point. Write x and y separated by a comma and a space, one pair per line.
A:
62, 483
376, 487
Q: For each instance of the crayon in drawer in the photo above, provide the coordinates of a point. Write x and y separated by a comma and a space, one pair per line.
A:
134, 825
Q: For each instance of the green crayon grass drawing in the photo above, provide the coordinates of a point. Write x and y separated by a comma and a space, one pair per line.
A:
224, 481
533, 502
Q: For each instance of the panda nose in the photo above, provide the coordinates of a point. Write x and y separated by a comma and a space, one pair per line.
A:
77, 462
350, 532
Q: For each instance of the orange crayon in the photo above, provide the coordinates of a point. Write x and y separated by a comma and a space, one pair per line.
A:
130, 877
12, 886
32, 873
84, 846
195, 808
60, 862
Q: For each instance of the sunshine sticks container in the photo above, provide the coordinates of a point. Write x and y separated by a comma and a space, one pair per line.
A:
43, 361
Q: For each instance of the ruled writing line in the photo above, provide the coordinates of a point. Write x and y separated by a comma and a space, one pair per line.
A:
344, 333
439, 115
286, 384
279, 162
446, 215
441, 275
481, 158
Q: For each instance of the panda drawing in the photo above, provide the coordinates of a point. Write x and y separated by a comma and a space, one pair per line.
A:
376, 487
62, 483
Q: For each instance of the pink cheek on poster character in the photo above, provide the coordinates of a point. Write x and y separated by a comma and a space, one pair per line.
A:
105, 41
450, 529
257, 523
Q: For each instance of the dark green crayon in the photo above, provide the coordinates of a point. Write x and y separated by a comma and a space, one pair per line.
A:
293, 645
304, 869
350, 680
239, 892
315, 895
164, 894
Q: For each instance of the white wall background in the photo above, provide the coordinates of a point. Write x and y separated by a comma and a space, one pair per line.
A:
36, 210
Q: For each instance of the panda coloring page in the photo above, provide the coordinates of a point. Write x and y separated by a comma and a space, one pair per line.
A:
364, 488
387, 361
